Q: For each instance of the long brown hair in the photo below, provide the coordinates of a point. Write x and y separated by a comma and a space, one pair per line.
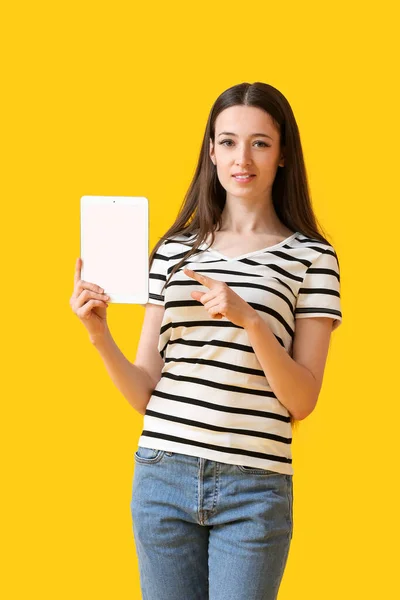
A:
201, 210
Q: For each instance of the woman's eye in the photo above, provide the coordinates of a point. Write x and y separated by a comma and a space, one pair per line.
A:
258, 142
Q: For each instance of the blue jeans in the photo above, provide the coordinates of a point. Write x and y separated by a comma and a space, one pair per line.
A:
206, 530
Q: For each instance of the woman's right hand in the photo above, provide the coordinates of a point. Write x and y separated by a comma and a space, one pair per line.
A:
89, 303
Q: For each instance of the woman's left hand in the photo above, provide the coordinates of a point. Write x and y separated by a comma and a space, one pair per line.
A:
221, 300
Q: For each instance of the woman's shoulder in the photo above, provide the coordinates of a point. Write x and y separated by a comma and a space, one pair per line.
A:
181, 238
173, 245
310, 243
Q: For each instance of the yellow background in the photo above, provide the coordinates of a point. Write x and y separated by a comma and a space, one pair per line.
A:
112, 99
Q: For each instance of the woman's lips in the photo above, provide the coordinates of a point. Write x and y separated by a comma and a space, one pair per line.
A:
242, 179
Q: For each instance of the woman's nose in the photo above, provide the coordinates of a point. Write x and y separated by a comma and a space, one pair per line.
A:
243, 156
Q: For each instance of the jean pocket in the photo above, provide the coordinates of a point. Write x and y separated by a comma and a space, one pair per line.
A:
256, 470
148, 455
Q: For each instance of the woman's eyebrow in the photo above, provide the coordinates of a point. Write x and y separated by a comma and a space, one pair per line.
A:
252, 135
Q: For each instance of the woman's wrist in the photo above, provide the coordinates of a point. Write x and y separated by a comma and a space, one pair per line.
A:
99, 339
252, 320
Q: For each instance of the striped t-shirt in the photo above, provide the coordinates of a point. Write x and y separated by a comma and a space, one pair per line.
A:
213, 399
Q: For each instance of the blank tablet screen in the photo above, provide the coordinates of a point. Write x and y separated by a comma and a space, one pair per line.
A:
114, 246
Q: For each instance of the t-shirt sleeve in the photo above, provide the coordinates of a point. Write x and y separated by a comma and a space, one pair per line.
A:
158, 275
319, 294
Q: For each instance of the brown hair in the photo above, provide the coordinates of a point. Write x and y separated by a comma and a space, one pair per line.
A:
202, 206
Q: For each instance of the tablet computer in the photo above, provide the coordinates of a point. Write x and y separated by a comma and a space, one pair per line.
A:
114, 246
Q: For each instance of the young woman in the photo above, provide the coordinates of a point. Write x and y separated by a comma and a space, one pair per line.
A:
244, 295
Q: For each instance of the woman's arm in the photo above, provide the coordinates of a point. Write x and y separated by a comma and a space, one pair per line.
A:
296, 381
133, 382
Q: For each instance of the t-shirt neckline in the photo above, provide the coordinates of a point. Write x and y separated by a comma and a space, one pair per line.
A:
254, 252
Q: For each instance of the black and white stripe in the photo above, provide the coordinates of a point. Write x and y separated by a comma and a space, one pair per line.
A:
213, 399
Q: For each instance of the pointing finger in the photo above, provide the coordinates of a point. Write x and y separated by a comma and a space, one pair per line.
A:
203, 279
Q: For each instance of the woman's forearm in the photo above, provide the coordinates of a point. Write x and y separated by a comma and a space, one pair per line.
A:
293, 385
132, 381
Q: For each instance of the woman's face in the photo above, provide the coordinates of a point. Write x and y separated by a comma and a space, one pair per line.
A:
259, 155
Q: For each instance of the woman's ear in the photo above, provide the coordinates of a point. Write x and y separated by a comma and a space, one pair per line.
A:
212, 153
282, 159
